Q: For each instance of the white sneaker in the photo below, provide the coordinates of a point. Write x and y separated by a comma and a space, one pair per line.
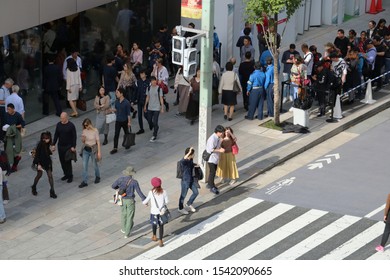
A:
153, 139
284, 99
5, 202
183, 211
122, 231
192, 209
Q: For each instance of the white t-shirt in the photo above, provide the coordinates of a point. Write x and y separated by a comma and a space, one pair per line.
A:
162, 199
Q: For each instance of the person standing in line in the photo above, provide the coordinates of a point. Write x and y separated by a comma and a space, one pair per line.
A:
66, 136
255, 92
158, 198
227, 167
153, 106
182, 89
341, 42
215, 81
245, 70
52, 81
213, 147
128, 186
143, 84
123, 117
269, 87
91, 149
226, 86
3, 217
42, 161
187, 181
102, 105
386, 233
73, 84
4, 93
247, 47
192, 112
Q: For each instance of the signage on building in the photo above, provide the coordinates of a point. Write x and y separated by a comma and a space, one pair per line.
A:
191, 9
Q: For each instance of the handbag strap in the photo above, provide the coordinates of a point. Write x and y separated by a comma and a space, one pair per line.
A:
155, 201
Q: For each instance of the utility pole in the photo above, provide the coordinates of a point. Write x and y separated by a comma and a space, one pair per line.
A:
206, 74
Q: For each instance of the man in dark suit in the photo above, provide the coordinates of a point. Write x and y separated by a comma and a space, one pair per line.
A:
52, 81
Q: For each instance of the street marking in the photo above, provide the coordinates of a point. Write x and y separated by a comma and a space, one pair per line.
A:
317, 238
328, 160
315, 165
238, 232
319, 165
278, 235
372, 213
355, 243
278, 185
200, 229
336, 156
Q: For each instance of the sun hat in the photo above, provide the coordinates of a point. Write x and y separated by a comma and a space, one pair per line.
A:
129, 171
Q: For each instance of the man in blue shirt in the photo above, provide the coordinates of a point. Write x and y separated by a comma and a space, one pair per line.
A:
123, 117
255, 91
269, 86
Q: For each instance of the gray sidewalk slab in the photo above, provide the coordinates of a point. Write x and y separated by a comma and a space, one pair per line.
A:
83, 224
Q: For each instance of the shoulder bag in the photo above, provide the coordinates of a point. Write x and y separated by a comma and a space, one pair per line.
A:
165, 215
128, 140
235, 149
236, 86
111, 117
120, 192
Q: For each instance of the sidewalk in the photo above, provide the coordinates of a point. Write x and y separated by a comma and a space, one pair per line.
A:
82, 224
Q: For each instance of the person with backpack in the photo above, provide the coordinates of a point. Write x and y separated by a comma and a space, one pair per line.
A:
153, 106
321, 85
353, 78
188, 181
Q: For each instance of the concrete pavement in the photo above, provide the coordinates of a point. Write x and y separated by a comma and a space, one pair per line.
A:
82, 224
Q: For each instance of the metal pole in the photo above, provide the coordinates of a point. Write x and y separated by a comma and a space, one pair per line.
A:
206, 69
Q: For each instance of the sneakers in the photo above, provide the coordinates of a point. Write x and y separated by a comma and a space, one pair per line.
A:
82, 185
126, 236
214, 190
122, 231
140, 131
97, 180
153, 139
192, 208
380, 248
183, 211
3, 221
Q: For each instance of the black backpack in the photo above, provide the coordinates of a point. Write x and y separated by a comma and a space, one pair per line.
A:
334, 81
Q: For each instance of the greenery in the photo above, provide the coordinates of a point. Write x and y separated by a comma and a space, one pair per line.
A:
271, 124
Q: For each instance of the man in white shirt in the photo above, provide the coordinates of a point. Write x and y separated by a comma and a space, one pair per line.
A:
308, 59
15, 99
75, 55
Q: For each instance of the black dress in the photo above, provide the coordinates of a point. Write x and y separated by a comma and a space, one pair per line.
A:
43, 156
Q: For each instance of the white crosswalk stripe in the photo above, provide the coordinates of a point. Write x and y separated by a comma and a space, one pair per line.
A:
303, 242
318, 238
201, 228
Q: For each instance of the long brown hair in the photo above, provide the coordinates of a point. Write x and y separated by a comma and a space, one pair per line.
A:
158, 190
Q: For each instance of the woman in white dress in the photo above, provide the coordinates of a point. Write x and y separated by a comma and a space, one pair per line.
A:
73, 84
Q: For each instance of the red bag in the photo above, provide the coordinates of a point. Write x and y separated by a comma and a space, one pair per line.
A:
164, 88
235, 149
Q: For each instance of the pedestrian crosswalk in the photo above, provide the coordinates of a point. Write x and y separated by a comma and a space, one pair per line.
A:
258, 229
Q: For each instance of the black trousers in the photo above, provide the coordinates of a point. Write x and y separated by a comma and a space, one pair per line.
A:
65, 165
212, 171
118, 126
385, 235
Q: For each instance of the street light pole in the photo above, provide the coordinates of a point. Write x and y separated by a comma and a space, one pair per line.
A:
206, 74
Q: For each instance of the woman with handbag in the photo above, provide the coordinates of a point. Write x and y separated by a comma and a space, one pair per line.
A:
90, 149
158, 200
73, 84
192, 112
102, 106
42, 162
229, 87
227, 166
128, 82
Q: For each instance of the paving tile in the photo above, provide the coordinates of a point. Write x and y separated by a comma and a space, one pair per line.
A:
41, 229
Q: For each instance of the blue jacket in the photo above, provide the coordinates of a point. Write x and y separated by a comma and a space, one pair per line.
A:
256, 79
187, 166
269, 76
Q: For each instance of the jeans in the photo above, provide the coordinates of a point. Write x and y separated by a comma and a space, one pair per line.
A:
112, 98
86, 156
288, 89
118, 126
213, 170
127, 215
184, 189
256, 100
153, 121
270, 100
2, 211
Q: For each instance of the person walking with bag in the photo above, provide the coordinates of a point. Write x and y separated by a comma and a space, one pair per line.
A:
227, 166
73, 84
128, 185
187, 181
42, 161
158, 199
102, 106
153, 106
386, 233
91, 149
